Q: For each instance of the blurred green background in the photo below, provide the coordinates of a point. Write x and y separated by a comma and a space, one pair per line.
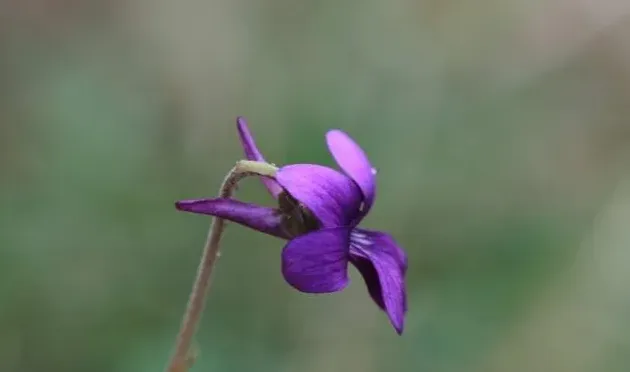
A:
499, 128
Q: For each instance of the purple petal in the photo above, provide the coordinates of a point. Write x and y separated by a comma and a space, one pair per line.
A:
252, 153
263, 219
351, 158
317, 262
383, 265
332, 197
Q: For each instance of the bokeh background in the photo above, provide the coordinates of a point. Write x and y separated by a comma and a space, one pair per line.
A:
500, 130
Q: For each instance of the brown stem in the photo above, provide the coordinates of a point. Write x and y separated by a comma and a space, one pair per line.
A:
182, 358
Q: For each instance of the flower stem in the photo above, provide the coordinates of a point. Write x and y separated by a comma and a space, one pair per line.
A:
182, 358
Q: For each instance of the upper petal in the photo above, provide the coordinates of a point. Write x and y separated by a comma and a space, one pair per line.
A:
383, 265
252, 153
263, 219
317, 262
332, 197
352, 159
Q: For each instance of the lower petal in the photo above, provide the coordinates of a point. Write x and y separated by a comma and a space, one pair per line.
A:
383, 265
263, 219
317, 262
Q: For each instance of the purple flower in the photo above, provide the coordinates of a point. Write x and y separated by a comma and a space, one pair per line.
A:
319, 210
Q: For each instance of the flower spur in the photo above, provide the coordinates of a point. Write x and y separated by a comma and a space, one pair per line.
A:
319, 210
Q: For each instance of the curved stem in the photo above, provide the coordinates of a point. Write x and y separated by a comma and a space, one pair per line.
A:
182, 358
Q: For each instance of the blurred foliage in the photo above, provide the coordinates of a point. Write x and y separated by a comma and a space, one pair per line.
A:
499, 130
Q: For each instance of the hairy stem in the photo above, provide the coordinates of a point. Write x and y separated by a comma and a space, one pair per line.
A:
182, 358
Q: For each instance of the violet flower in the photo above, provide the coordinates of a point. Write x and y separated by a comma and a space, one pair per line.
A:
319, 210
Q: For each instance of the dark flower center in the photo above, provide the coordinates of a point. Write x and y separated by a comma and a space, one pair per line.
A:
296, 218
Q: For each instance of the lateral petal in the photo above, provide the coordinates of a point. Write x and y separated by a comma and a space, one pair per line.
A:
318, 261
332, 197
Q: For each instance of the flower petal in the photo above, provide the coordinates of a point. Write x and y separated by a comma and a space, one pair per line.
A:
383, 265
318, 261
252, 153
332, 197
352, 159
263, 219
